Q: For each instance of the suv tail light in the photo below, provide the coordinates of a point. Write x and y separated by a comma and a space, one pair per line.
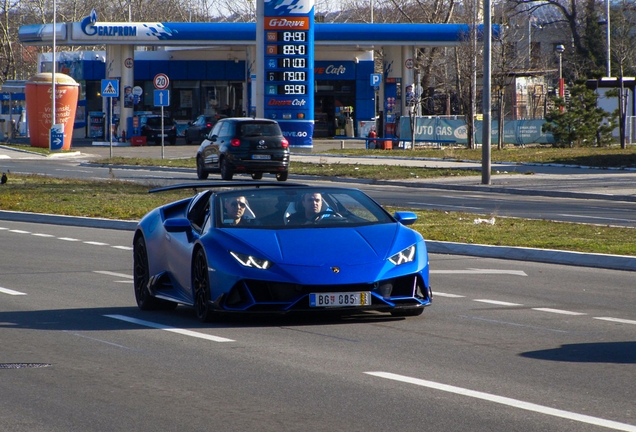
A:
284, 143
235, 142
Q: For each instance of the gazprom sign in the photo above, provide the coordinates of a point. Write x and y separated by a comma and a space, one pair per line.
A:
90, 30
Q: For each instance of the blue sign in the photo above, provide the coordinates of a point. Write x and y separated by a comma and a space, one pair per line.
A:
162, 98
110, 88
376, 79
288, 75
56, 137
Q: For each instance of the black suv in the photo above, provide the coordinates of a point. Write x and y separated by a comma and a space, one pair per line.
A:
244, 145
151, 129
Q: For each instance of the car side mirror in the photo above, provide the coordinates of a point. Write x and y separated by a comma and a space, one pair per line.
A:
177, 225
405, 218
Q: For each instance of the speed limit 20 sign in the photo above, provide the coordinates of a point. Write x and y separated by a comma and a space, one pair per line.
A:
161, 81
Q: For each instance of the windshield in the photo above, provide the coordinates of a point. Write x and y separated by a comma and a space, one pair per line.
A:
298, 208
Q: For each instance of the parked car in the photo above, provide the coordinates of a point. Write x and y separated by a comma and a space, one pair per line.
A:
151, 129
244, 145
351, 256
200, 128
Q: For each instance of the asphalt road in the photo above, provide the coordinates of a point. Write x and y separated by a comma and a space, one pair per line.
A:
506, 346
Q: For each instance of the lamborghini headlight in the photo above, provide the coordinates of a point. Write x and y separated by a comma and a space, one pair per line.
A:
251, 261
404, 256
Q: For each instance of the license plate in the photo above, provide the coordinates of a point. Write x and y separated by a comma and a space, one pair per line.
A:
340, 299
164, 135
262, 157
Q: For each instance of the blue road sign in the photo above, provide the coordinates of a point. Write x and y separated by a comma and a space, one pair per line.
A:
56, 137
162, 98
110, 88
375, 79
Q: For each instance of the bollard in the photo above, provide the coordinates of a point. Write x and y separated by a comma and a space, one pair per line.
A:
342, 144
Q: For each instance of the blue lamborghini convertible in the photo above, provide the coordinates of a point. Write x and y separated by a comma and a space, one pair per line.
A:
272, 247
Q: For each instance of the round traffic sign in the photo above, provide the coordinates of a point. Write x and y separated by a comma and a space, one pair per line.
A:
161, 81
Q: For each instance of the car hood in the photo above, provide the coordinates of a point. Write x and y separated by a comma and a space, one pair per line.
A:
319, 246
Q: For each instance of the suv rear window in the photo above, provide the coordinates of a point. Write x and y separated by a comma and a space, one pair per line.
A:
258, 129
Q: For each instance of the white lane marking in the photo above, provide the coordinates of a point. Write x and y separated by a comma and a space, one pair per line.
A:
597, 217
558, 311
123, 247
4, 229
515, 403
11, 292
20, 231
441, 294
124, 281
104, 272
170, 329
96, 243
497, 302
70, 239
481, 271
42, 235
618, 320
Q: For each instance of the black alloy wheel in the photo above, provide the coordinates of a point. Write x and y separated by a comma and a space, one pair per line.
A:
282, 176
141, 276
257, 176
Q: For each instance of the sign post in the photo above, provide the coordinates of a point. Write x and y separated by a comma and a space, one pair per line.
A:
162, 99
110, 89
56, 137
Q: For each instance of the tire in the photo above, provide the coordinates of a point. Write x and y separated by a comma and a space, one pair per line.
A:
282, 176
407, 312
257, 176
201, 287
226, 170
173, 141
202, 174
141, 276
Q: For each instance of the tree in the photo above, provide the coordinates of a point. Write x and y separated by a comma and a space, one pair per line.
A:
582, 123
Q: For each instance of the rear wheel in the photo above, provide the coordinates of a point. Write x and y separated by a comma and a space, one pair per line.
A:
257, 176
202, 174
201, 287
282, 176
226, 170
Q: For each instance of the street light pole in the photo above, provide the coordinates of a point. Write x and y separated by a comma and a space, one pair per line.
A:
560, 49
607, 34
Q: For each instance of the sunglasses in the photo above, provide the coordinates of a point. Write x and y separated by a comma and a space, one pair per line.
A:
238, 204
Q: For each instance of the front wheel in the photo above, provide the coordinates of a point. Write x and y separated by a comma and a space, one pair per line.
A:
141, 276
201, 287
282, 176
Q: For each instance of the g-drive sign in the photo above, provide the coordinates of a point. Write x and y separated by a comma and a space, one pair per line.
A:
161, 81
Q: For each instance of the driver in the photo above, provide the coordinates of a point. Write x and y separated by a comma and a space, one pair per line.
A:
311, 208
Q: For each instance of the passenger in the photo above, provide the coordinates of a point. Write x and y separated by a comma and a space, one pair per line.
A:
311, 207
